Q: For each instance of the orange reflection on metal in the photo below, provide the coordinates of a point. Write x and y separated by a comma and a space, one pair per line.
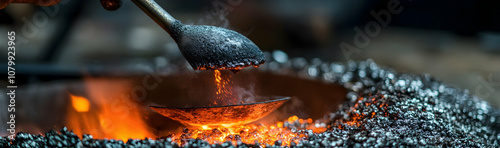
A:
221, 116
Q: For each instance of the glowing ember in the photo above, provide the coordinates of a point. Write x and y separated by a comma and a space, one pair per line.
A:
80, 103
252, 133
223, 94
355, 117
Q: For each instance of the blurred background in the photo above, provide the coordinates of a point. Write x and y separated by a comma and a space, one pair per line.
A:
456, 41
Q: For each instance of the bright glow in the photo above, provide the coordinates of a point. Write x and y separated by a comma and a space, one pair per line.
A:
80, 104
111, 115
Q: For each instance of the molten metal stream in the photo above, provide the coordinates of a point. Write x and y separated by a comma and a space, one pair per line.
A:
223, 94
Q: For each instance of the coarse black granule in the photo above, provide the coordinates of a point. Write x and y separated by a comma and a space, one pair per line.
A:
383, 109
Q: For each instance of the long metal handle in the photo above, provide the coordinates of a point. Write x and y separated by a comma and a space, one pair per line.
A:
160, 16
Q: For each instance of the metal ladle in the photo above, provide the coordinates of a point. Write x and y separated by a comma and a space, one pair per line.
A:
206, 47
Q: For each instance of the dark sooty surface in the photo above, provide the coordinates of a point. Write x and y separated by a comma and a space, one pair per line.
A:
209, 47
383, 108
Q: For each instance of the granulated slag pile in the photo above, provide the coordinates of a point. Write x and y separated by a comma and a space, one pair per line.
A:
383, 108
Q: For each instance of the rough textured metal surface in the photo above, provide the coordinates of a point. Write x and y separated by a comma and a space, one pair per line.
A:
383, 109
209, 47
221, 116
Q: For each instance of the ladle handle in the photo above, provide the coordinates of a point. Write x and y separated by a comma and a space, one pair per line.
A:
157, 13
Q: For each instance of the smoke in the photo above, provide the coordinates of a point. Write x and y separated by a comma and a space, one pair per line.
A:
245, 95
216, 15
229, 92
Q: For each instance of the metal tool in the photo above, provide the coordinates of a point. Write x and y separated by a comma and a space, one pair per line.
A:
221, 116
204, 47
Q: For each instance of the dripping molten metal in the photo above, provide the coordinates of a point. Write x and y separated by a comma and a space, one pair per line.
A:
224, 94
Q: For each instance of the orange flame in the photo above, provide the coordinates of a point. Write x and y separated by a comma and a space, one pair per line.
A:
80, 104
106, 116
106, 113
